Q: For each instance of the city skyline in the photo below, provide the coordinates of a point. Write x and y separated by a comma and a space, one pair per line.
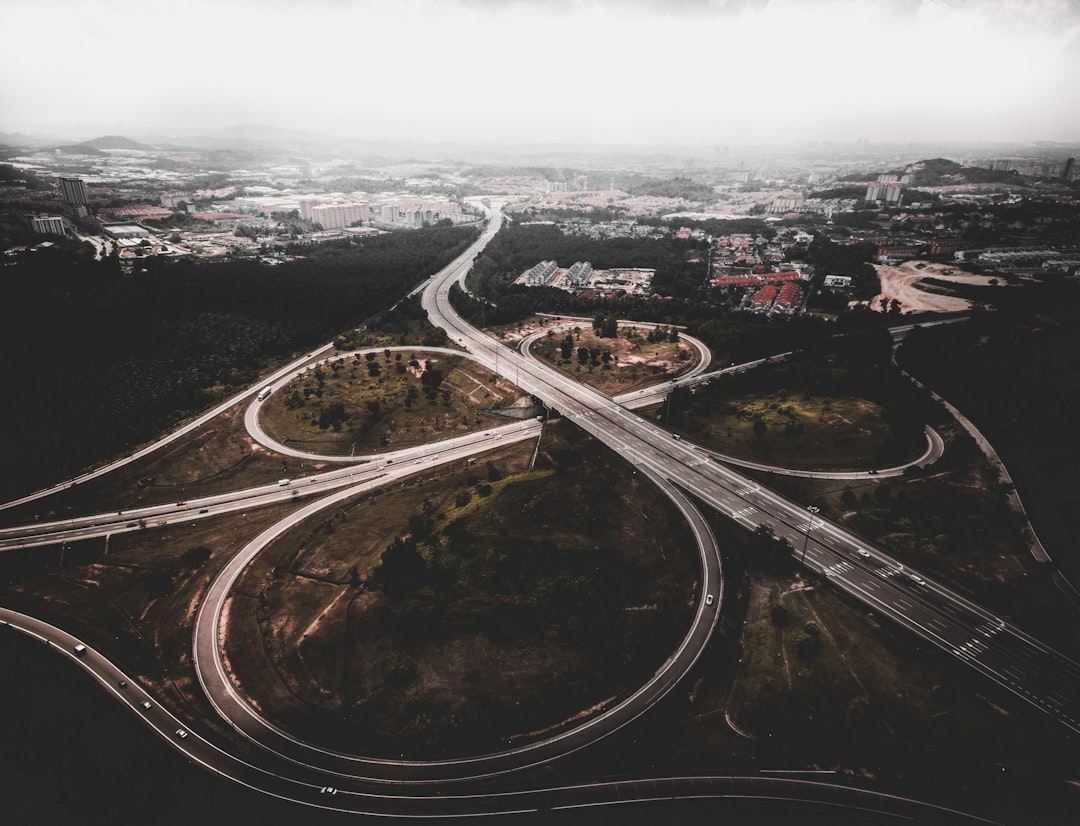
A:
589, 72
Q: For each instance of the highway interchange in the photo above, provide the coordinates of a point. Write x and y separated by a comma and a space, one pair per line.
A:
303, 772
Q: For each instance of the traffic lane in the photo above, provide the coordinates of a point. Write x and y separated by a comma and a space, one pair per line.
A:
37, 535
216, 682
293, 783
139, 454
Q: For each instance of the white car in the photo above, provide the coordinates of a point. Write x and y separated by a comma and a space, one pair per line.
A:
709, 599
865, 554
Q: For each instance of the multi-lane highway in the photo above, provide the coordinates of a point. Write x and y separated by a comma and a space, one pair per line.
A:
299, 771
319, 789
165, 440
392, 466
1014, 660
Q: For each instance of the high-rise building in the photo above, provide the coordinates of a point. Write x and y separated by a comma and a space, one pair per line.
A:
339, 216
73, 191
1066, 173
307, 204
887, 191
48, 225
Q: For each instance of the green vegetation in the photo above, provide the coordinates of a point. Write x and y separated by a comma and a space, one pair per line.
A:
830, 258
796, 431
943, 172
492, 603
517, 248
117, 359
953, 521
817, 670
624, 359
682, 188
217, 458
839, 403
384, 400
1012, 371
404, 323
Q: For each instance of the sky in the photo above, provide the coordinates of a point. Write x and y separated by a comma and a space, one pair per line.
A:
665, 72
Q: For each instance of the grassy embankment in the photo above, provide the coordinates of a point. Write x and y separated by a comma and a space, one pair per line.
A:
797, 431
614, 364
545, 590
850, 694
386, 401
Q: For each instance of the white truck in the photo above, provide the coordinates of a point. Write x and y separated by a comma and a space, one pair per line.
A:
263, 394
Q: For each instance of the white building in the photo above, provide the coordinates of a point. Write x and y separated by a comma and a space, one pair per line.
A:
339, 216
73, 191
173, 200
49, 225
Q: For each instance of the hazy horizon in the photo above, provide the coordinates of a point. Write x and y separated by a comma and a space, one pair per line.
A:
577, 72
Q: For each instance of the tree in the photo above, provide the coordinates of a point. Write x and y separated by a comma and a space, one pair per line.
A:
402, 571
332, 416
759, 427
567, 347
431, 379
606, 326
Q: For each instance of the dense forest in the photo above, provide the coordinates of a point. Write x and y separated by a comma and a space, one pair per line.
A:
680, 273
98, 361
680, 264
1014, 371
733, 335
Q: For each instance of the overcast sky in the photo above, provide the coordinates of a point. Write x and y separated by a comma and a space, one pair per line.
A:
582, 71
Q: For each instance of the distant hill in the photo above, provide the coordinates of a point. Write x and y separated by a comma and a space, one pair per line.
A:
23, 139
114, 142
943, 172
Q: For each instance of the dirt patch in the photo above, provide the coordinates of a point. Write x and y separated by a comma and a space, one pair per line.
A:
902, 283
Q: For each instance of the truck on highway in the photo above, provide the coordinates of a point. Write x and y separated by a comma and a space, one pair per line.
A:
263, 394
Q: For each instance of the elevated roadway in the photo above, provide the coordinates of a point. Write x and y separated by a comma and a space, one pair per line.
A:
943, 618
985, 642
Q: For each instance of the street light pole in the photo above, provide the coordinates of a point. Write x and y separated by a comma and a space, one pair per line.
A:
809, 525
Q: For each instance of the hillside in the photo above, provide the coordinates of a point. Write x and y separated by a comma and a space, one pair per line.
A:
943, 172
114, 142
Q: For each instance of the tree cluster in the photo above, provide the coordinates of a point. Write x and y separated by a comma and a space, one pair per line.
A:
117, 358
